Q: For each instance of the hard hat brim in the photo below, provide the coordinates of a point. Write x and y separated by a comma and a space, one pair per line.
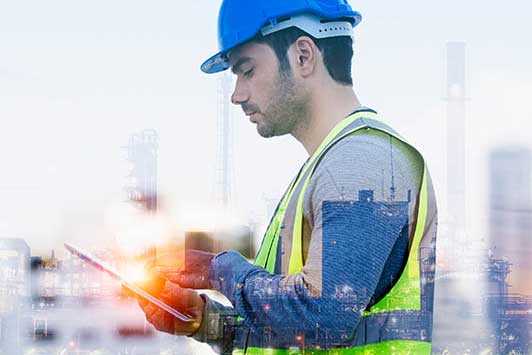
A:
215, 64
310, 23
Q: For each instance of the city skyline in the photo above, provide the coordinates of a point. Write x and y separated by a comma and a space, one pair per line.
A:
72, 93
78, 79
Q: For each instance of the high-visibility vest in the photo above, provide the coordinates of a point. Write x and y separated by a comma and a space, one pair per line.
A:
402, 304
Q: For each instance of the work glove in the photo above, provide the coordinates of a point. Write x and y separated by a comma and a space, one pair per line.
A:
185, 300
196, 272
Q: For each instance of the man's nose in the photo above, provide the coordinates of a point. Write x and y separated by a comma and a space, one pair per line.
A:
239, 94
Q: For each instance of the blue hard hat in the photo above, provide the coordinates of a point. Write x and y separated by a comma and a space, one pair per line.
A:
241, 20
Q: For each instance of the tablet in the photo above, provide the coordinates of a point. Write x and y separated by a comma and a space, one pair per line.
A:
103, 266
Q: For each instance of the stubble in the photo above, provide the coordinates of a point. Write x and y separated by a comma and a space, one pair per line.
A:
287, 109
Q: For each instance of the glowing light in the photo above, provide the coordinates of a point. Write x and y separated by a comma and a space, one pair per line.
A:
134, 272
134, 230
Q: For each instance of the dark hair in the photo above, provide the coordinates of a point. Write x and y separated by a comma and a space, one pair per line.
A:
337, 51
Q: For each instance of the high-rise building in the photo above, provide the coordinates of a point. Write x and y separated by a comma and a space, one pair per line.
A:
510, 213
14, 291
14, 273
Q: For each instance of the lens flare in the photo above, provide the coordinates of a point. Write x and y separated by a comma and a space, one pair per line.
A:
134, 272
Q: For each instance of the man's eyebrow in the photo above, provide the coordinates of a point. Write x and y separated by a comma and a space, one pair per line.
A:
236, 68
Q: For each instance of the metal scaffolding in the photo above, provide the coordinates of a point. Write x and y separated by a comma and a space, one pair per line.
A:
142, 152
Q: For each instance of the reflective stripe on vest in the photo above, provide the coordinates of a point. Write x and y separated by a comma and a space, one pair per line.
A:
401, 303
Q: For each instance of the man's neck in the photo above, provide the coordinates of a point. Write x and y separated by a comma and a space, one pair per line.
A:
327, 109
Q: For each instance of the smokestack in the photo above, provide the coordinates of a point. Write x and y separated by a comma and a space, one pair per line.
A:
224, 170
456, 115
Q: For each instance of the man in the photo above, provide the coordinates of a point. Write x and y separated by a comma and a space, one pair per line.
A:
347, 262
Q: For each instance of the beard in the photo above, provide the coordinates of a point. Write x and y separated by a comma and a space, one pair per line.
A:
287, 109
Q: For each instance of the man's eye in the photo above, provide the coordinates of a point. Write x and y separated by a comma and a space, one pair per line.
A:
248, 73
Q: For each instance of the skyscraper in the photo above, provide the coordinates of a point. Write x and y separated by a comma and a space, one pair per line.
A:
510, 213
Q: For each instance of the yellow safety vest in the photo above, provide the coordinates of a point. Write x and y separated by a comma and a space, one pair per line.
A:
403, 300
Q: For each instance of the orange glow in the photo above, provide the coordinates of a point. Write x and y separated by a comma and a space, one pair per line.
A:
134, 272
135, 231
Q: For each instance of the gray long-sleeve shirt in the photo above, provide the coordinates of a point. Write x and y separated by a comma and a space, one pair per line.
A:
358, 216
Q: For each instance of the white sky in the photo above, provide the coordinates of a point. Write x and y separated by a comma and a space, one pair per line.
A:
78, 77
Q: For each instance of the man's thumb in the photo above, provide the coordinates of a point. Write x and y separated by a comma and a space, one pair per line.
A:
188, 280
180, 278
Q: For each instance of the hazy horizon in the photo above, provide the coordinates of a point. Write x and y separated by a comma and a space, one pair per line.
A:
76, 79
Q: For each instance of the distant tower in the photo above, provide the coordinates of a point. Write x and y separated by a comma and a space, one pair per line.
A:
510, 212
224, 153
456, 116
15, 288
14, 274
142, 180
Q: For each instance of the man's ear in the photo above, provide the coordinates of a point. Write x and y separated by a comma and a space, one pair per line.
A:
304, 56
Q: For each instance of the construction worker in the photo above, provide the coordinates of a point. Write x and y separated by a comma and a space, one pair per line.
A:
346, 265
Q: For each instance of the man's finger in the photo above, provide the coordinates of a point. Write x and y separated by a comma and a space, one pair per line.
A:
153, 285
167, 270
149, 310
185, 328
183, 279
181, 298
170, 274
142, 302
175, 296
190, 280
197, 260
161, 320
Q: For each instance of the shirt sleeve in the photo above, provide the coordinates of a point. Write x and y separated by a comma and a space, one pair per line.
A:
352, 240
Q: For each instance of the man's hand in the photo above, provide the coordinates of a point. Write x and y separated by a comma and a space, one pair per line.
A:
196, 273
185, 300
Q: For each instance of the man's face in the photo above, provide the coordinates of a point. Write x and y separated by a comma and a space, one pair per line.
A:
269, 97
